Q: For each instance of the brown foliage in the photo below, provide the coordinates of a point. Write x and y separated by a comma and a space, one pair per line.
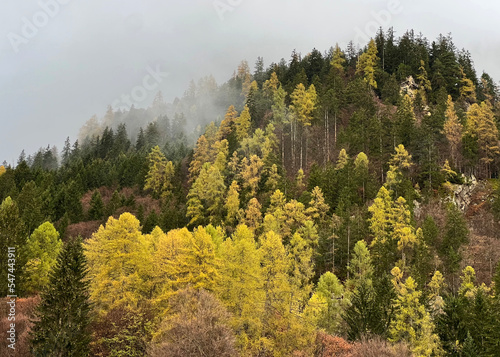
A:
378, 347
122, 329
24, 313
83, 229
197, 326
329, 346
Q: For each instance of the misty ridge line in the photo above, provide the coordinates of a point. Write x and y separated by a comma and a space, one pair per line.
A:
40, 19
139, 93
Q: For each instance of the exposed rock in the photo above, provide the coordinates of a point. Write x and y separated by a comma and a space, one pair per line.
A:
409, 86
462, 194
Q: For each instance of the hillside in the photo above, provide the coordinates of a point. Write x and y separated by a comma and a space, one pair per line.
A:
329, 205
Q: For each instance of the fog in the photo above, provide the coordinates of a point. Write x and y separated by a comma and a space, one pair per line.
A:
62, 61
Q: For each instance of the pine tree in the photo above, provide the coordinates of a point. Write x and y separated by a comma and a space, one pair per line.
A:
62, 320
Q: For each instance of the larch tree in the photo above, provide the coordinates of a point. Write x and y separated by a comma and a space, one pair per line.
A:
412, 323
453, 129
303, 106
206, 197
243, 123
240, 285
338, 59
367, 64
117, 256
42, 250
232, 205
467, 88
318, 208
227, 124
251, 173
200, 157
301, 271
160, 174
253, 214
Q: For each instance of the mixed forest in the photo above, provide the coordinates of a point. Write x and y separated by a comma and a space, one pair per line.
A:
344, 203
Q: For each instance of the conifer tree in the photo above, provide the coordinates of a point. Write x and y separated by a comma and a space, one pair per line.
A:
338, 59
253, 215
12, 234
227, 124
96, 210
42, 249
118, 260
243, 123
61, 327
251, 173
233, 204
412, 323
205, 199
367, 64
453, 129
240, 285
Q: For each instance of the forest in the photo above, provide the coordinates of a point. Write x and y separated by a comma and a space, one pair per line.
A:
344, 203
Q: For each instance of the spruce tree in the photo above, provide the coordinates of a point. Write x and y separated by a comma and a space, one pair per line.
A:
63, 316
96, 210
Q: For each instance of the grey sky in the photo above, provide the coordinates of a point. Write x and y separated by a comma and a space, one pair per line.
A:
91, 52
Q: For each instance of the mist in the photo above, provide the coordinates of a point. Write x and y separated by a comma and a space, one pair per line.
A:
64, 61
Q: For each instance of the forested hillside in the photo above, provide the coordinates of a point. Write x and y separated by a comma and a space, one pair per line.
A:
344, 203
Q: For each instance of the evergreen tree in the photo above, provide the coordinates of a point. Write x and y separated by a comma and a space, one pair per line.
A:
61, 327
12, 234
96, 210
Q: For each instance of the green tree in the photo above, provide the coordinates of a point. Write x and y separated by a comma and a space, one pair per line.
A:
42, 250
61, 327
96, 210
206, 197
456, 234
12, 234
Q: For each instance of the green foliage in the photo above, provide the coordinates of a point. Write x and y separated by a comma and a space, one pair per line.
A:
42, 250
96, 210
62, 320
456, 234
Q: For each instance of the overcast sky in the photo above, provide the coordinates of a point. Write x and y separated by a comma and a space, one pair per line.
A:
64, 61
